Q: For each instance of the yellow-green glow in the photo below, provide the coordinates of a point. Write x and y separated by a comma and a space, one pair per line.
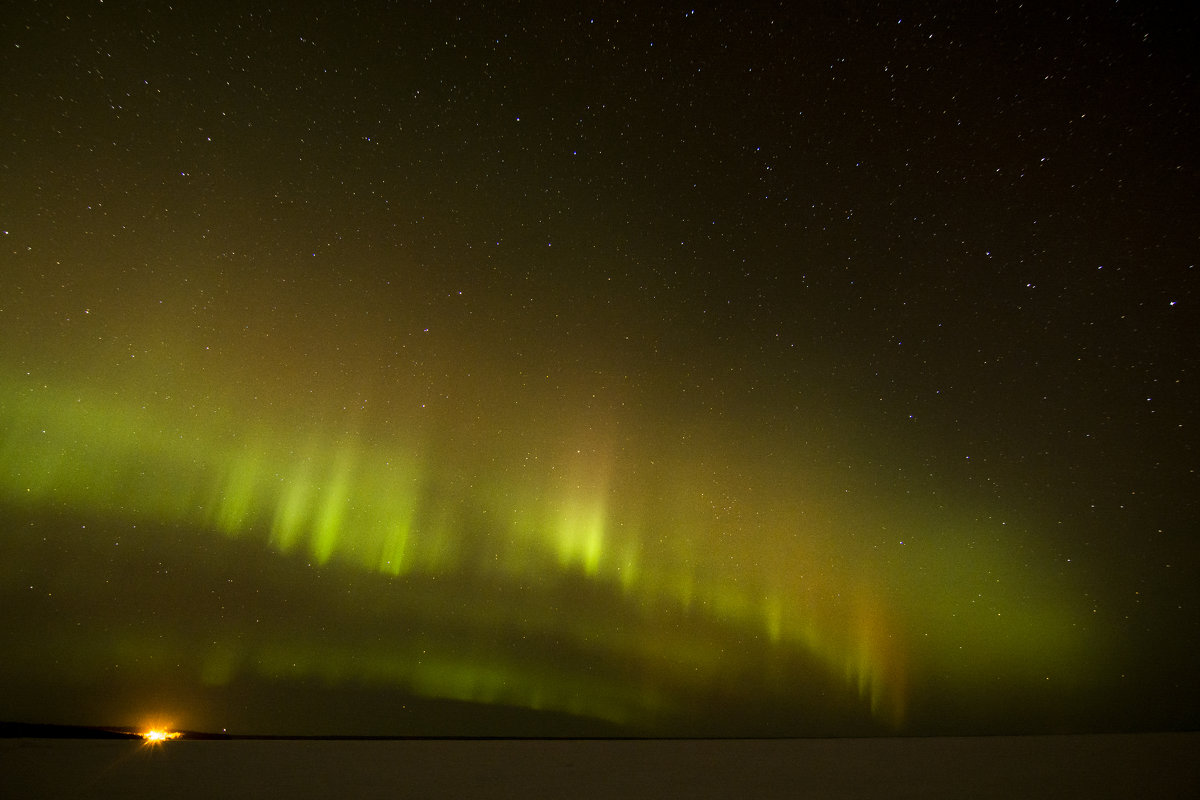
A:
677, 549
580, 538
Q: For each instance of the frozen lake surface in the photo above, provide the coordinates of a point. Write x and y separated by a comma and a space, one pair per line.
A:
1141, 766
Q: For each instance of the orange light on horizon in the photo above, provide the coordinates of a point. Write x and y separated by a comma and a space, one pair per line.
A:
156, 736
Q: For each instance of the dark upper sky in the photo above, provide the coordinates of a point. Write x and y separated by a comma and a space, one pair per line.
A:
410, 368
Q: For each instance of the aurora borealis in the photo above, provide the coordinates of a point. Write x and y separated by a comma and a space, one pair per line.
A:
689, 371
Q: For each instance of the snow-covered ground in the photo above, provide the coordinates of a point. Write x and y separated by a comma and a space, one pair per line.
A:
1125, 766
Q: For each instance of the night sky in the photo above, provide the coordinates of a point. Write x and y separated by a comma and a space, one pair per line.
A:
406, 368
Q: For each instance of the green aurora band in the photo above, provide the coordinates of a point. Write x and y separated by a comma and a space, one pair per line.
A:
707, 588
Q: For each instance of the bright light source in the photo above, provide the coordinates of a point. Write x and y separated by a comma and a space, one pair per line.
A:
156, 736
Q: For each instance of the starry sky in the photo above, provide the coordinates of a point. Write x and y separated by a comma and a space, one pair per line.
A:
510, 369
